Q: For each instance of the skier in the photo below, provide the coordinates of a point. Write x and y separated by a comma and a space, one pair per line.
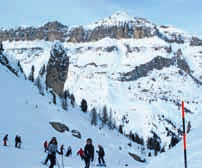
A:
81, 153
88, 152
19, 142
45, 144
101, 154
69, 151
61, 149
52, 149
16, 141
5, 140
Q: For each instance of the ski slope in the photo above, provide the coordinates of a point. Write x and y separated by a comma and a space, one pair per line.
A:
26, 113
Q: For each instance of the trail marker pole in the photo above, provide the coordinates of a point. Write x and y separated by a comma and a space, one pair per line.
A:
184, 136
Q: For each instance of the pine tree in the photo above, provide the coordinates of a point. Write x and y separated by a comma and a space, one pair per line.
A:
104, 116
20, 67
31, 76
110, 122
121, 129
94, 117
38, 83
114, 123
84, 105
72, 100
54, 96
64, 100
42, 70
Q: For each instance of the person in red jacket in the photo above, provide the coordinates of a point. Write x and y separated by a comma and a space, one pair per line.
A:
5, 140
81, 153
45, 146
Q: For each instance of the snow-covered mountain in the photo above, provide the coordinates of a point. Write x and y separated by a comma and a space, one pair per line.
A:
140, 72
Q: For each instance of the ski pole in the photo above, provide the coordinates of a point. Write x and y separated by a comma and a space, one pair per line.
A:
57, 163
62, 162
184, 136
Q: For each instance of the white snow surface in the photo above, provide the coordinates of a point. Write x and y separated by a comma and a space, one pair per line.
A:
26, 113
119, 18
93, 75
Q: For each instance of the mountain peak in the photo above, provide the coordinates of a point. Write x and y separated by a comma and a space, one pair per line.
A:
118, 18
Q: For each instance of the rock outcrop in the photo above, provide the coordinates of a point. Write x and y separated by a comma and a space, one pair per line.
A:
59, 126
57, 68
50, 31
156, 63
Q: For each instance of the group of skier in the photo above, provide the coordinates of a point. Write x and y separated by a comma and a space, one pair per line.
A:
68, 153
87, 154
18, 141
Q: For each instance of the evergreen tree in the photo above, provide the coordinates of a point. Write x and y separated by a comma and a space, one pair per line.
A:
110, 122
31, 76
114, 123
54, 96
1, 47
121, 129
104, 115
84, 105
94, 117
64, 100
42, 70
72, 100
20, 67
38, 83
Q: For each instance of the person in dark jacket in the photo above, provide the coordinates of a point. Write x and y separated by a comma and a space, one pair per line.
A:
16, 141
101, 154
88, 152
52, 150
19, 142
69, 151
61, 149
5, 140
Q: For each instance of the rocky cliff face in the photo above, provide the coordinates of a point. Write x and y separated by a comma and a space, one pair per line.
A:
136, 28
57, 68
50, 31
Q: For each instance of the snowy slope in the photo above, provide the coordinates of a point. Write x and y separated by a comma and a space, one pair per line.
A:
175, 157
26, 113
92, 69
94, 74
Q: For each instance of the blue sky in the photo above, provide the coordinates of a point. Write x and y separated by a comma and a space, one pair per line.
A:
184, 14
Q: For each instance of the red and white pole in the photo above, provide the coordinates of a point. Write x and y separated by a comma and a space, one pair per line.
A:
184, 136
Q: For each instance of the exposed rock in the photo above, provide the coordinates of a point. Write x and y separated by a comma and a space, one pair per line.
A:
136, 157
195, 42
111, 49
156, 63
124, 30
50, 31
57, 68
76, 133
59, 126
